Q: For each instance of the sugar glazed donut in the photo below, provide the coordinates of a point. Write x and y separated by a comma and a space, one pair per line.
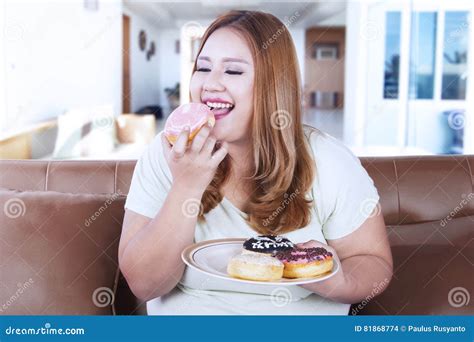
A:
255, 267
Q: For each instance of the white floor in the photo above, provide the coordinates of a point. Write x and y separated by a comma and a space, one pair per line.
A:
332, 122
327, 120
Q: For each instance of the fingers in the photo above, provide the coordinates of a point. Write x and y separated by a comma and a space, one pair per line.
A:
179, 146
166, 145
202, 143
220, 154
209, 146
200, 139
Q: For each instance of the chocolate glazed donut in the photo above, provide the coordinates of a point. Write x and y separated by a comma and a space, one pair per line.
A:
268, 244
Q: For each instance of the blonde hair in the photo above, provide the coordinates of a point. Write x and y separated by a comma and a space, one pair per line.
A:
283, 168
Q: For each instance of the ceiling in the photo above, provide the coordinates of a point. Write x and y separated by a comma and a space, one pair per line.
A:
173, 14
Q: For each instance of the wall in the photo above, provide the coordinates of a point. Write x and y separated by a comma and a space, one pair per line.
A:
355, 82
338, 19
298, 36
326, 75
58, 56
169, 63
3, 90
144, 74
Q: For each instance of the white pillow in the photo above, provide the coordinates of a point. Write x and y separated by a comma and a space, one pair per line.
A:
70, 127
85, 133
102, 138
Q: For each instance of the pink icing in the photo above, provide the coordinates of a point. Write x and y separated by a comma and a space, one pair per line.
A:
191, 114
302, 260
304, 255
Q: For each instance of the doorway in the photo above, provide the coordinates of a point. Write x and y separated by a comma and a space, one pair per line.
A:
126, 89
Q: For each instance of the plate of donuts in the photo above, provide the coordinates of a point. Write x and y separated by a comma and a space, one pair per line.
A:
265, 259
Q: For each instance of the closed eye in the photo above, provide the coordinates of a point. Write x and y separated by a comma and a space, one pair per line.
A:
231, 72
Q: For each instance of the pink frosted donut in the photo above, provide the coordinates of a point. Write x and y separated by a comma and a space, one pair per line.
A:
194, 115
305, 262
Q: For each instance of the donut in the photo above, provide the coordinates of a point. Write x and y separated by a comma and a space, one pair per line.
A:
267, 244
194, 115
255, 266
305, 262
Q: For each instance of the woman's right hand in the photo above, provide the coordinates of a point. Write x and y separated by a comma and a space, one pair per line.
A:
193, 167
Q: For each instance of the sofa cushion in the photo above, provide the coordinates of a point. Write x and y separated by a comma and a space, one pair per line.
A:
84, 132
58, 252
433, 271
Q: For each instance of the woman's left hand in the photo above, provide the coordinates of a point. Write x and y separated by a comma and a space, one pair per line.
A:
329, 283
364, 259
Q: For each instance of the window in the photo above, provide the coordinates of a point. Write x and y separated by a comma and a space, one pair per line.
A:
456, 29
392, 55
422, 56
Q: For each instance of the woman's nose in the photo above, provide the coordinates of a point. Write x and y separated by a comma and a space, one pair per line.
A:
213, 82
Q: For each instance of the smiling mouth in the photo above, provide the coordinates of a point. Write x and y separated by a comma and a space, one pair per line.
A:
220, 109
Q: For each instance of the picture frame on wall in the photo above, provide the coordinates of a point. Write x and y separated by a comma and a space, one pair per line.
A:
142, 40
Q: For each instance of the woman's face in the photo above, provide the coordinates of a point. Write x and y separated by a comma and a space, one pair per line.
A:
224, 81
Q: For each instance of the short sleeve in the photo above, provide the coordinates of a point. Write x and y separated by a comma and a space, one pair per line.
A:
344, 193
151, 181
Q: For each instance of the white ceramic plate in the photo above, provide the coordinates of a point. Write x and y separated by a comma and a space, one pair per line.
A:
211, 257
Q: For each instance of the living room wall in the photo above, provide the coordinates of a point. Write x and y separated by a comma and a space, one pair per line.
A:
144, 73
57, 56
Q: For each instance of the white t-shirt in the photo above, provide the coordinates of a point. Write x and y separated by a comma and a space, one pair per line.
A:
344, 196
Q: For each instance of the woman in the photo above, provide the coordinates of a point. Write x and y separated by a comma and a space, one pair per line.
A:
258, 171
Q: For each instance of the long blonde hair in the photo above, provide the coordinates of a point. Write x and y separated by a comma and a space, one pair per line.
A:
283, 169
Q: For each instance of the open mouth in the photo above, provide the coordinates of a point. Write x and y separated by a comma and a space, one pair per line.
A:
220, 109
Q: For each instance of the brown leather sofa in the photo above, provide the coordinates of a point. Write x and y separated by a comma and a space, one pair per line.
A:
61, 240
